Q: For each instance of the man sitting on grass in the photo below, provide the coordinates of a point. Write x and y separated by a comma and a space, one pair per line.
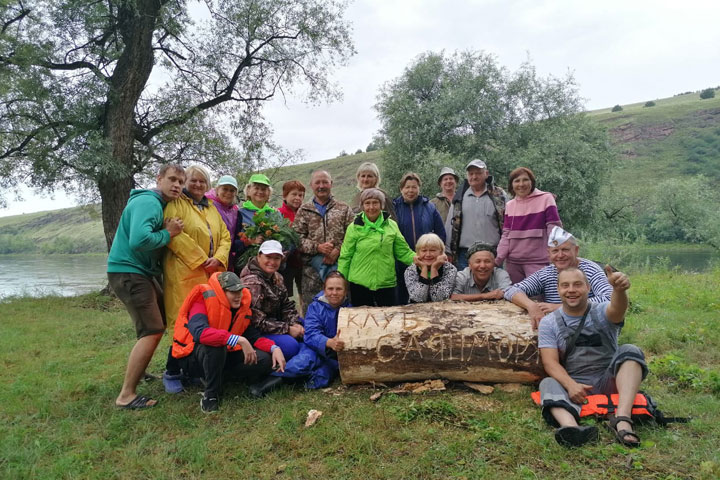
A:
213, 337
579, 351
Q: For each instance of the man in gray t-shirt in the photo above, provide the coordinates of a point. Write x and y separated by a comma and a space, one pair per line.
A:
579, 350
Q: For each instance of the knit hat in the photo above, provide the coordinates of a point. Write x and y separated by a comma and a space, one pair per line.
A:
481, 247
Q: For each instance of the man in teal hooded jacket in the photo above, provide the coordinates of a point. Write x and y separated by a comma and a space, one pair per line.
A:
133, 264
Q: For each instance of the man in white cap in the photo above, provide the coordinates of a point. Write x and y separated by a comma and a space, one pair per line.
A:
447, 181
476, 214
563, 250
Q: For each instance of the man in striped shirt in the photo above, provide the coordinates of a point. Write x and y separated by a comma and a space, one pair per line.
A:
563, 250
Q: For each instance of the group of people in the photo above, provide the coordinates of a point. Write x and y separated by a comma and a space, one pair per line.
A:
470, 242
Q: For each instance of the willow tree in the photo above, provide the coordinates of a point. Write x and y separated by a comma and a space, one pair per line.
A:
96, 93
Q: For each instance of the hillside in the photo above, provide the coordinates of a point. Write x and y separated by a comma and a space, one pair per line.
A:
678, 136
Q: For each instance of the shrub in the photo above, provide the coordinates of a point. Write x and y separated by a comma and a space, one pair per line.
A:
650, 104
707, 93
617, 108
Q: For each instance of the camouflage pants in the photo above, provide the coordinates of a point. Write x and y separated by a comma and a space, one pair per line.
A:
311, 286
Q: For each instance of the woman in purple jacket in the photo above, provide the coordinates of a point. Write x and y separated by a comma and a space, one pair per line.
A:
529, 218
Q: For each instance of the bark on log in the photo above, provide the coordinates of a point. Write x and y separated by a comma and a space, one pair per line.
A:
472, 342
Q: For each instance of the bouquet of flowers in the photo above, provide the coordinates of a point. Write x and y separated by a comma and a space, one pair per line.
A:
269, 225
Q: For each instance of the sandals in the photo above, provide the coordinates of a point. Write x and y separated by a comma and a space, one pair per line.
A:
622, 435
138, 403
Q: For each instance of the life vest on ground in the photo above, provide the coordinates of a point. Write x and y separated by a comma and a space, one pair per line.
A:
602, 405
218, 312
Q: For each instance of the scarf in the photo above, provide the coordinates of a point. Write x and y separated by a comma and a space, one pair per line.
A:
376, 225
247, 204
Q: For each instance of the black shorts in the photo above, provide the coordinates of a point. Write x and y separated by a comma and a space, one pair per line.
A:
143, 300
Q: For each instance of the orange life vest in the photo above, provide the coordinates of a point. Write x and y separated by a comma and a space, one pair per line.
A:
602, 405
218, 312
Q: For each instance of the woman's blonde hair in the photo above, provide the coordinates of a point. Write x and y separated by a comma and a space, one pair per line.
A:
202, 171
247, 189
367, 167
429, 240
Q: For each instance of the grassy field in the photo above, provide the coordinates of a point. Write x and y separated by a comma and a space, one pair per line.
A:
62, 362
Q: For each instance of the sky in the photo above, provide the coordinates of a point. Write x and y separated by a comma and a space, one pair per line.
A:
618, 51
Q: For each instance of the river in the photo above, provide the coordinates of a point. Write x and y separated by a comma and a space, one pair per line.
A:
67, 275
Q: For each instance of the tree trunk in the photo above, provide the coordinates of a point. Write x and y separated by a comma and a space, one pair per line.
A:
474, 342
137, 22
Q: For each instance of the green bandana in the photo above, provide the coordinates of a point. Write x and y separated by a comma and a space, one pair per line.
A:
251, 206
376, 225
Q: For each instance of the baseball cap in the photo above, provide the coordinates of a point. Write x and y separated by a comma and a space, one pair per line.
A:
271, 246
230, 282
228, 180
477, 163
260, 178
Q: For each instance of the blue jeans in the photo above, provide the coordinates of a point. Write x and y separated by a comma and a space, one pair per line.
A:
323, 269
462, 261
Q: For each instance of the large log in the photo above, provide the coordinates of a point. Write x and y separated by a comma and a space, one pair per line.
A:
473, 342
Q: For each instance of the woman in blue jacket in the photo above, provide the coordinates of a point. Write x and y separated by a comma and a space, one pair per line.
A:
416, 216
317, 359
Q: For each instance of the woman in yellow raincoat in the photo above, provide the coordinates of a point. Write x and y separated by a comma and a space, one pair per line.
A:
192, 256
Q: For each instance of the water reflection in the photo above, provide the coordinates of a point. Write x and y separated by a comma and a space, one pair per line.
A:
39, 275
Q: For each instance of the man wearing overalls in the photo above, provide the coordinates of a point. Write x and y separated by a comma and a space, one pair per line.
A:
580, 353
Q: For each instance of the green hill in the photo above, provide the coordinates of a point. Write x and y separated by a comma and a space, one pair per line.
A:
679, 136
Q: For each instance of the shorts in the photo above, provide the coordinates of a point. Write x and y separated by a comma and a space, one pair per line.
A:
143, 300
552, 394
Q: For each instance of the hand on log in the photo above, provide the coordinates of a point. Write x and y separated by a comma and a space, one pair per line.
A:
335, 343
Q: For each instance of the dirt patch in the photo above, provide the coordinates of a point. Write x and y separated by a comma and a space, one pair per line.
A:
630, 132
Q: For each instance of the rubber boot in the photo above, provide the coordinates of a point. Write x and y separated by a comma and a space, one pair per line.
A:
262, 388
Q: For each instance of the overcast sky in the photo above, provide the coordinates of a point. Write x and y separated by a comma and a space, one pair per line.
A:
619, 52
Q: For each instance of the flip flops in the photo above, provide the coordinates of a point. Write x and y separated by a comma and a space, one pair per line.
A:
138, 403
621, 435
576, 436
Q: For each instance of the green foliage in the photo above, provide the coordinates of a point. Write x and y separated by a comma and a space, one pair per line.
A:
617, 108
649, 104
707, 93
676, 373
446, 110
80, 117
690, 205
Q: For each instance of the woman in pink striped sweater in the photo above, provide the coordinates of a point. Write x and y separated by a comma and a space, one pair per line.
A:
529, 218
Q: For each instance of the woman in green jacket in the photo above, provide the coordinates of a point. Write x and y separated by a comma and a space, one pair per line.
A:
367, 258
